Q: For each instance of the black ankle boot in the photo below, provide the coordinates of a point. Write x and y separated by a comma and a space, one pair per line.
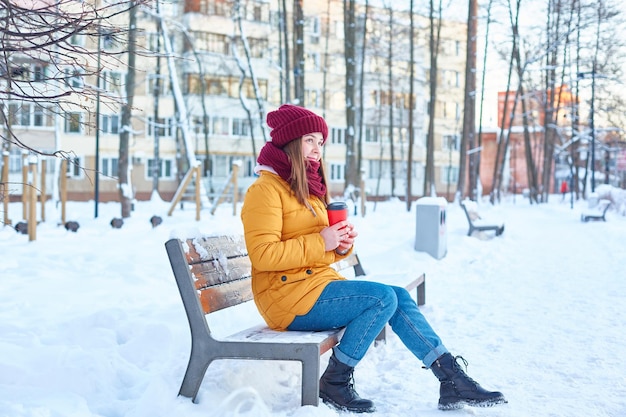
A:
337, 388
458, 389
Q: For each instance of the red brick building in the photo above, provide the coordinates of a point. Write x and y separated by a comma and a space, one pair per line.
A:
515, 176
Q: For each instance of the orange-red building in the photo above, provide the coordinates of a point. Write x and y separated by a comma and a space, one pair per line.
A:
515, 177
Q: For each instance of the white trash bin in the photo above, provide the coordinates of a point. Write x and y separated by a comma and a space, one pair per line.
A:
430, 226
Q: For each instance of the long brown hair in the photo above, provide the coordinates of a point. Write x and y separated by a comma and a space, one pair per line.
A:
298, 181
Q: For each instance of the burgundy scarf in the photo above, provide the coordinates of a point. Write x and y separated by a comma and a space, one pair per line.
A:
276, 158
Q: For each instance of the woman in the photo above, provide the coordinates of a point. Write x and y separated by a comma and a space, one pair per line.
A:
292, 246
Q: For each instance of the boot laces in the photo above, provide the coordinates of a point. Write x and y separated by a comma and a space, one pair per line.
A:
462, 368
351, 385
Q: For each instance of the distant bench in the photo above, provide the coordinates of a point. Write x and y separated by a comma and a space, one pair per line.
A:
213, 273
597, 213
476, 223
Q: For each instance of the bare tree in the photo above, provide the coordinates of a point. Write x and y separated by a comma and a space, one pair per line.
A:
298, 52
125, 189
470, 147
352, 173
43, 61
362, 92
409, 162
392, 159
433, 41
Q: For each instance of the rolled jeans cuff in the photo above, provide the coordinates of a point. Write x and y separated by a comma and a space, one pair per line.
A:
345, 359
433, 355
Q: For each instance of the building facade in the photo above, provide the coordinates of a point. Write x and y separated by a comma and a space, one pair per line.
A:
208, 75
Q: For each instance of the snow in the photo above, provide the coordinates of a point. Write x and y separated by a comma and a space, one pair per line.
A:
92, 323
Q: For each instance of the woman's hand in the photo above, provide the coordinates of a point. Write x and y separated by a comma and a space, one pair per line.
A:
339, 236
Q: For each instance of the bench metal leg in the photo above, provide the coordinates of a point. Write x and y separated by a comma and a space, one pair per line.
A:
196, 369
421, 294
311, 378
382, 336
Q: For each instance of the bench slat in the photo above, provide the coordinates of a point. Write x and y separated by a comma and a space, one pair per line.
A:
230, 294
215, 247
214, 272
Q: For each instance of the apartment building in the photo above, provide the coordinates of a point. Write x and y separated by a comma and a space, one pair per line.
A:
231, 66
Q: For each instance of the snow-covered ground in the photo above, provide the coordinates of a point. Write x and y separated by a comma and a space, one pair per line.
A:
91, 322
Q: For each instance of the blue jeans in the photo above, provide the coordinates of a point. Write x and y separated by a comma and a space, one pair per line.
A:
363, 308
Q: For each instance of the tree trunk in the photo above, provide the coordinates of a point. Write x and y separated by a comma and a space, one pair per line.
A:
498, 166
286, 67
469, 113
124, 166
482, 87
435, 31
298, 52
361, 98
352, 174
409, 159
392, 157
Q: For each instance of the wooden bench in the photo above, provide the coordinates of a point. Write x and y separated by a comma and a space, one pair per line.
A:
598, 212
476, 223
213, 273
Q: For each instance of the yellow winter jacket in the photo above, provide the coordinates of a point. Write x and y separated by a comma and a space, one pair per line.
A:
290, 267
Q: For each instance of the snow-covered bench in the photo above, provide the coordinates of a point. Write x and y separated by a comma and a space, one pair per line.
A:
476, 223
596, 213
213, 273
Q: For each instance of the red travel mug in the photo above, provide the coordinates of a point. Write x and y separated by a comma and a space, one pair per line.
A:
337, 211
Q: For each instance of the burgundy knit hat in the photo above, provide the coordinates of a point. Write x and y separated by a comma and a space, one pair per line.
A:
290, 122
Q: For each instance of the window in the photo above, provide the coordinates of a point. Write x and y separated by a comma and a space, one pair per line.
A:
211, 42
165, 168
30, 115
164, 127
73, 122
74, 78
313, 27
39, 118
152, 81
371, 134
451, 142
257, 47
37, 72
312, 61
220, 126
378, 168
337, 172
112, 81
109, 167
339, 29
241, 127
73, 167
449, 174
257, 13
219, 8
110, 123
312, 97
198, 125
337, 135
15, 160
18, 114
77, 39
